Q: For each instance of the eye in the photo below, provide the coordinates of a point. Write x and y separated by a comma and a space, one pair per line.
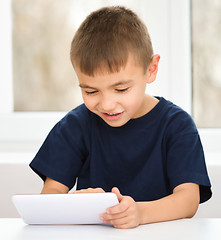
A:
90, 92
122, 89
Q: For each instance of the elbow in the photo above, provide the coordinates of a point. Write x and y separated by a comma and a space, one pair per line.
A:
189, 197
191, 214
193, 211
193, 207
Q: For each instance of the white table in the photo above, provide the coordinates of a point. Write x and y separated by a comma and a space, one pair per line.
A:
185, 229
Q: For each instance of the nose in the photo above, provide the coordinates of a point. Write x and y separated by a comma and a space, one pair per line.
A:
107, 103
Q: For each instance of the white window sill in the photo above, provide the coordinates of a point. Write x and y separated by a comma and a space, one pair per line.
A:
16, 157
212, 158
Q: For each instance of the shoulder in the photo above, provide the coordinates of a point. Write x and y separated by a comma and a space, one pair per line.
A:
79, 112
79, 115
76, 122
74, 128
177, 120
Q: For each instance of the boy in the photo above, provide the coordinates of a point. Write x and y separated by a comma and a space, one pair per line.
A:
143, 148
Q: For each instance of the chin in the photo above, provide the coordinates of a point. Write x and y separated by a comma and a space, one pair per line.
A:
115, 124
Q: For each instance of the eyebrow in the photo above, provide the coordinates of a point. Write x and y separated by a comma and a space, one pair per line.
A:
85, 86
123, 82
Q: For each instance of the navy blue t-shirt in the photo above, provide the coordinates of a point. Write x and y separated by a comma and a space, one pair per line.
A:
146, 158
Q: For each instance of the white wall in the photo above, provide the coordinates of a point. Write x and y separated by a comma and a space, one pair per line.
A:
16, 179
212, 208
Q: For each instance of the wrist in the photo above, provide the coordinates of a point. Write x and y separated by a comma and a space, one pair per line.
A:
141, 206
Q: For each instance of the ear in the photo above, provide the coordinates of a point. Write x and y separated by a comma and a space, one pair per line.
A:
153, 69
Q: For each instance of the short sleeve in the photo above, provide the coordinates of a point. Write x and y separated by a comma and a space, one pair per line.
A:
62, 154
185, 158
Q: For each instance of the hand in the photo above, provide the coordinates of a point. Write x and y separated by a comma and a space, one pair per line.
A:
90, 190
124, 215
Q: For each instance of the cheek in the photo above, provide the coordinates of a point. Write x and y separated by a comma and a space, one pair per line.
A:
135, 99
136, 95
89, 102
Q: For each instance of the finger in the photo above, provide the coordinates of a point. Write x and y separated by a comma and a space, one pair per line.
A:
87, 190
124, 226
108, 217
117, 192
123, 223
99, 190
121, 207
90, 190
80, 191
119, 221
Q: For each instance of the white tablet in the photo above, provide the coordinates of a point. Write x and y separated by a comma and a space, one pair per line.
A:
77, 208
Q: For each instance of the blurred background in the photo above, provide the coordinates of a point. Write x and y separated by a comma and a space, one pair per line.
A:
38, 84
43, 78
206, 62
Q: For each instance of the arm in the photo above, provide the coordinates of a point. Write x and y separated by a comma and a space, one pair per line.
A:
182, 203
52, 186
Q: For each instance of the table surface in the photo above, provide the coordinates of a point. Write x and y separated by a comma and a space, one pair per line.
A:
188, 229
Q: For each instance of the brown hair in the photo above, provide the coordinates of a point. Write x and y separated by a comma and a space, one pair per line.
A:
106, 38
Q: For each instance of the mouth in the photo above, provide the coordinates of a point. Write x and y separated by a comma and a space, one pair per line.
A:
112, 116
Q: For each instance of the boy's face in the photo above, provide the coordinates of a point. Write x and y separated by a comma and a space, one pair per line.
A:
116, 97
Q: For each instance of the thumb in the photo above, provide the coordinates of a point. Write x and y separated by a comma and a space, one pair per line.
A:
117, 192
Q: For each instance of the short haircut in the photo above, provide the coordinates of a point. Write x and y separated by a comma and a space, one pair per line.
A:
105, 39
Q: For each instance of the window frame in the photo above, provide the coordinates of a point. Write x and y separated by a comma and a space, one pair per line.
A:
25, 131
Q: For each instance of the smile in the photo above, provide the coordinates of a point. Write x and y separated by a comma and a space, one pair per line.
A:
112, 116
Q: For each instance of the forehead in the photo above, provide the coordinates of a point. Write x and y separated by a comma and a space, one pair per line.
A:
130, 71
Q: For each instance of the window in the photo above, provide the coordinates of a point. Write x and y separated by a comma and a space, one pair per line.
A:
206, 38
24, 128
43, 78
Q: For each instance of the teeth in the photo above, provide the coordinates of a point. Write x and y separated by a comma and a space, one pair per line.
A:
111, 114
